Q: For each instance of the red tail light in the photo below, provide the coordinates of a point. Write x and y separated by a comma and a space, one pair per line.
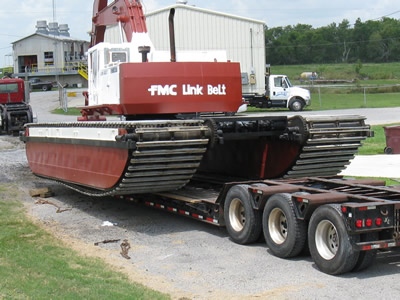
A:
368, 222
359, 223
378, 222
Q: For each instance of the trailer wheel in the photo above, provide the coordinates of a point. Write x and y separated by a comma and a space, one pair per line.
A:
330, 244
284, 234
366, 258
296, 105
243, 223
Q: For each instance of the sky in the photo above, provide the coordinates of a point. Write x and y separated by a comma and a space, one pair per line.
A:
18, 17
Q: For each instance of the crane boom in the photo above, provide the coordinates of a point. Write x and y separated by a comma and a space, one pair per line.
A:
127, 12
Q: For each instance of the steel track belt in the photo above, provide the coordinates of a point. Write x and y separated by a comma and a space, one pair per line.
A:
163, 160
332, 142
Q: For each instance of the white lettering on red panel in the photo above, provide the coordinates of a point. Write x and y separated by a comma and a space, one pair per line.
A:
187, 90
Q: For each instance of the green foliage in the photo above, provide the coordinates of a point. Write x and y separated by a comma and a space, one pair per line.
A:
35, 266
370, 41
358, 66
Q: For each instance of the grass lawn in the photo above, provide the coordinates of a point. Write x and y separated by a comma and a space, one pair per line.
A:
72, 111
385, 71
34, 265
343, 101
376, 144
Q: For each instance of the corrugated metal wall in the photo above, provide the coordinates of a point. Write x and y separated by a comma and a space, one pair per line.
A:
198, 29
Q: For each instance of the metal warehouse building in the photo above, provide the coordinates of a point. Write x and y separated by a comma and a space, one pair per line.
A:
202, 29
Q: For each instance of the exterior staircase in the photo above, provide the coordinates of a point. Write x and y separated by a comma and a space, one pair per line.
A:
83, 70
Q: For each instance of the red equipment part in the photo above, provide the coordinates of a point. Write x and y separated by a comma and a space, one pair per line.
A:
172, 88
129, 13
98, 167
12, 91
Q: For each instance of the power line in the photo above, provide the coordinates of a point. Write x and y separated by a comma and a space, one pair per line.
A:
393, 13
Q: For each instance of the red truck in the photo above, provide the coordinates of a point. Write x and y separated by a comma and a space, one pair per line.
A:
14, 108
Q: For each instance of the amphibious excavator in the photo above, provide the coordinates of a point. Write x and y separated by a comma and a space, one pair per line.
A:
176, 121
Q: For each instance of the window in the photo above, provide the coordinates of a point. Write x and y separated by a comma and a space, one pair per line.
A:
118, 56
8, 88
48, 58
278, 81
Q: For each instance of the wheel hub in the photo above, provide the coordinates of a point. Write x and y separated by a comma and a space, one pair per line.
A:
327, 239
237, 215
277, 225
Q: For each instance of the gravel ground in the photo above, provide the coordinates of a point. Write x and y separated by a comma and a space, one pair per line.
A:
180, 256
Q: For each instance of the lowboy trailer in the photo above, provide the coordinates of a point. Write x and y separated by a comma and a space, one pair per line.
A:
341, 222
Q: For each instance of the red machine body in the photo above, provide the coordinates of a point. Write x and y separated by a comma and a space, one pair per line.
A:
159, 88
146, 85
173, 88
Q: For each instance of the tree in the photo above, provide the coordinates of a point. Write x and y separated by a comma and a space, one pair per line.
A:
370, 41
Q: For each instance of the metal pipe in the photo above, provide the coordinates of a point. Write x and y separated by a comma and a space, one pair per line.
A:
172, 34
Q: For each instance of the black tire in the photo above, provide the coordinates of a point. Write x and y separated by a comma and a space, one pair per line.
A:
284, 234
366, 258
388, 150
45, 88
330, 244
306, 250
243, 223
296, 105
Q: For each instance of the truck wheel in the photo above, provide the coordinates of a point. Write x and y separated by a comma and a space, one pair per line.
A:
330, 244
296, 105
243, 223
45, 88
366, 258
284, 234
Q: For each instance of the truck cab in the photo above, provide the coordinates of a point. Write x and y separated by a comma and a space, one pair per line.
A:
14, 108
282, 93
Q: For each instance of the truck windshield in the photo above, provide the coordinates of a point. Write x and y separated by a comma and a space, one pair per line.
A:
288, 82
8, 88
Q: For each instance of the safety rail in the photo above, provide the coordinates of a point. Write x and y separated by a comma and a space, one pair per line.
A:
79, 67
